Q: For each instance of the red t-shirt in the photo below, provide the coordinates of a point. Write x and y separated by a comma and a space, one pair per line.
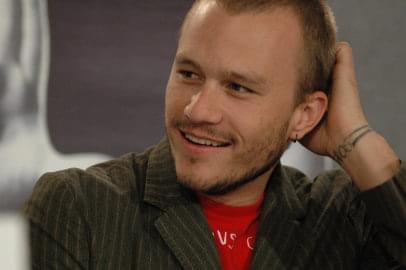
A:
234, 230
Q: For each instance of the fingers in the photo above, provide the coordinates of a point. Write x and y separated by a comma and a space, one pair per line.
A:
345, 91
344, 53
344, 68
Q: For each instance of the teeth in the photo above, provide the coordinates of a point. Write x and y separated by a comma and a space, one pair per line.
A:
202, 141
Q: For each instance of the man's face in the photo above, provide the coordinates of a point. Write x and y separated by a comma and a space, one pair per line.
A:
230, 95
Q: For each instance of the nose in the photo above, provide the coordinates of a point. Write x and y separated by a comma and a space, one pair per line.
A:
204, 108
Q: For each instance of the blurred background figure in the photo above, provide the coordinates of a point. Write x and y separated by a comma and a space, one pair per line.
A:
25, 148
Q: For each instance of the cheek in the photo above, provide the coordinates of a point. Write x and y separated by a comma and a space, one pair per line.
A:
176, 99
260, 126
251, 121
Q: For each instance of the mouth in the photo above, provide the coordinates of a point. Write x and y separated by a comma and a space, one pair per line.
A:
204, 141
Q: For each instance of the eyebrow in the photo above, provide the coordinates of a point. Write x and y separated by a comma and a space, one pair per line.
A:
241, 77
249, 78
182, 60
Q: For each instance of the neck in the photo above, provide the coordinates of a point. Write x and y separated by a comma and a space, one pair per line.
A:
247, 194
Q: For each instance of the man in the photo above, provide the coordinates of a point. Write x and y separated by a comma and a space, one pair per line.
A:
248, 78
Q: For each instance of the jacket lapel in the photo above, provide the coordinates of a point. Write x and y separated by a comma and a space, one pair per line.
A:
182, 224
279, 231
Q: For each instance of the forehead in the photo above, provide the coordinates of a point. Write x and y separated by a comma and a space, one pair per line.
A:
253, 40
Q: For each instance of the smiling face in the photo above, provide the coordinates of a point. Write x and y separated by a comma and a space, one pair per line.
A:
230, 96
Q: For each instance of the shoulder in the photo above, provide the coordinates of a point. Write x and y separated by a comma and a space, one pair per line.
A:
331, 194
331, 198
328, 185
118, 174
120, 179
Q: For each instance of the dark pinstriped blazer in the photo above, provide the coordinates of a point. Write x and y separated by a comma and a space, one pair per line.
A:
130, 213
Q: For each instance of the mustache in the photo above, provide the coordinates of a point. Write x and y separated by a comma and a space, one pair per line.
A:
210, 130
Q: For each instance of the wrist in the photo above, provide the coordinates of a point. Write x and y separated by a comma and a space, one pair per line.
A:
371, 162
340, 152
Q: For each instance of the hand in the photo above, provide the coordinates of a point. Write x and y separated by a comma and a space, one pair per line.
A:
344, 113
372, 162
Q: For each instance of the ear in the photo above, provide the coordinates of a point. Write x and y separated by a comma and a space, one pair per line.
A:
308, 114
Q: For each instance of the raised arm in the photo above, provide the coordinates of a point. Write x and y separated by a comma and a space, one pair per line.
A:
365, 155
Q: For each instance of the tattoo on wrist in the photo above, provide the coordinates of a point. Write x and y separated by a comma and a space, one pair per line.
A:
349, 143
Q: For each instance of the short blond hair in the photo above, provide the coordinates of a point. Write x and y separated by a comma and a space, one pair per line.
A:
319, 36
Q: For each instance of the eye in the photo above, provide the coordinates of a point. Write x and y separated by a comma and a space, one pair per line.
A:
189, 75
239, 88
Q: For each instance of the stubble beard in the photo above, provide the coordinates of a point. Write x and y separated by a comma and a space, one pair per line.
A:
270, 149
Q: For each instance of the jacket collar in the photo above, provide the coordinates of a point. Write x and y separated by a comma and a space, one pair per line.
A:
280, 191
161, 187
280, 229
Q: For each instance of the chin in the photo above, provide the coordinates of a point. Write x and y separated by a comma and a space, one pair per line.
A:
196, 176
